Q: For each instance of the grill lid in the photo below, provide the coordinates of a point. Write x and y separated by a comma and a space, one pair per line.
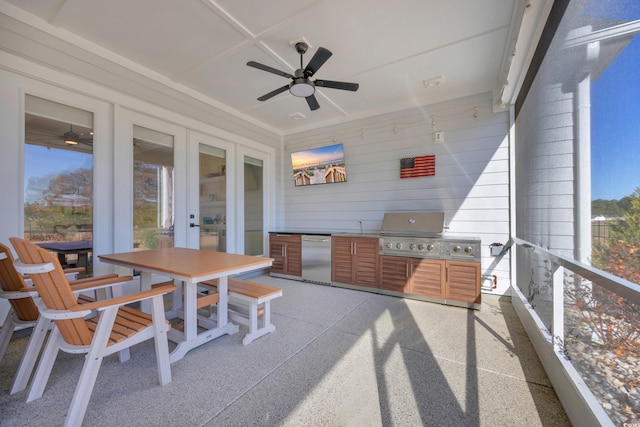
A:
413, 223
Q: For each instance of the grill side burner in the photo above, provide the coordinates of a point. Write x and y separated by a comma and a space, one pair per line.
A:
420, 235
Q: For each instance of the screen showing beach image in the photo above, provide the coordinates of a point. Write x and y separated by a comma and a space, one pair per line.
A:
322, 165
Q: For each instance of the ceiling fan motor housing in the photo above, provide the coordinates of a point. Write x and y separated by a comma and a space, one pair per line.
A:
301, 86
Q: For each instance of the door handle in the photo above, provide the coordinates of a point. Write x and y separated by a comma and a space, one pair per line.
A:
194, 225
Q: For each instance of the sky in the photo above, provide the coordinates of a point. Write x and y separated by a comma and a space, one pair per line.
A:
42, 162
615, 123
316, 156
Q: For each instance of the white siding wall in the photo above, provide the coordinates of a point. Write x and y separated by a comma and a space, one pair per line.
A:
471, 184
545, 169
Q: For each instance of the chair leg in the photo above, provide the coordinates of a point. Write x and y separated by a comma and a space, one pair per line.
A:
44, 367
30, 355
160, 339
6, 332
90, 369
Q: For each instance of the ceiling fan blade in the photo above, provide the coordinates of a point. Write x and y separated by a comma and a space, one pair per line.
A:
273, 93
337, 85
313, 102
317, 61
268, 69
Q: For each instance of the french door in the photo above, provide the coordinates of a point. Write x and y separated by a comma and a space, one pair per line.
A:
211, 192
150, 183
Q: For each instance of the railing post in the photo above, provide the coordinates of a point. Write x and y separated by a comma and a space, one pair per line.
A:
557, 319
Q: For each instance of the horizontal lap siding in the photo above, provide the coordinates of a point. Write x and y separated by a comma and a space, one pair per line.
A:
471, 184
545, 182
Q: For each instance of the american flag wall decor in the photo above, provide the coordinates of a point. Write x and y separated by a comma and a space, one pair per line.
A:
414, 167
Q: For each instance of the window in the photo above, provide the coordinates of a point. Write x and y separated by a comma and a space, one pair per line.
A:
58, 182
153, 189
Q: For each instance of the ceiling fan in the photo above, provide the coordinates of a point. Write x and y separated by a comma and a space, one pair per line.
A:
69, 138
301, 84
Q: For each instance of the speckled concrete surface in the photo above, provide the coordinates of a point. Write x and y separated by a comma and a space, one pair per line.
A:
339, 357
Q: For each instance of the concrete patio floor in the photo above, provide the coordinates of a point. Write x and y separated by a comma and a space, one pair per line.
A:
339, 357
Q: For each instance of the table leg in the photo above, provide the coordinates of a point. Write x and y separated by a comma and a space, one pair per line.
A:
145, 285
190, 337
223, 289
190, 310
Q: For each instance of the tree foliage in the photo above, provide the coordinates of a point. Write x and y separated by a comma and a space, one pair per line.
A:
607, 208
620, 254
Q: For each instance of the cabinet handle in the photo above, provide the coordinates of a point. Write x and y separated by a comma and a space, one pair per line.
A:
406, 270
282, 251
355, 248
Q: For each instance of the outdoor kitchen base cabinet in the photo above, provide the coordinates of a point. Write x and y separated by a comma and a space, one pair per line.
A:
354, 260
453, 281
412, 275
463, 281
286, 251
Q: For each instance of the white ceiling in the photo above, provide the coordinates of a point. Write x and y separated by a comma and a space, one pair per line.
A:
389, 47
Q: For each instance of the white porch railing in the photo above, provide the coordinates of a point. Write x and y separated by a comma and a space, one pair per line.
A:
574, 315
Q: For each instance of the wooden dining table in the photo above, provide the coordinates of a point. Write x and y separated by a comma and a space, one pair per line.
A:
188, 267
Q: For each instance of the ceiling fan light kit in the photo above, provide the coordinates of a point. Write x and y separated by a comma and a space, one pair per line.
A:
301, 85
71, 138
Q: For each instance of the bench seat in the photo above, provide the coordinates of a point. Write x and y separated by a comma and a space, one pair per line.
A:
250, 302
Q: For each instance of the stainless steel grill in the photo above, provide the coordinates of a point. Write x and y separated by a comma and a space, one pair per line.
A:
421, 235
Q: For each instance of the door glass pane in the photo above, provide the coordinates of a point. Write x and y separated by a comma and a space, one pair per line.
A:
213, 199
153, 179
58, 180
253, 207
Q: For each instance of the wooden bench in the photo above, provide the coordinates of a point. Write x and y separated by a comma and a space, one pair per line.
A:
248, 303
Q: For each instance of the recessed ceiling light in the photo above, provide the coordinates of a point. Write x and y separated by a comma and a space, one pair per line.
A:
436, 81
297, 116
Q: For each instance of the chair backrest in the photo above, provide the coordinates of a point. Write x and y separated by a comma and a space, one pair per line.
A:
11, 280
54, 290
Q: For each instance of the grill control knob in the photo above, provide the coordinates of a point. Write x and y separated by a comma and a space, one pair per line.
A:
429, 247
389, 245
398, 245
420, 247
412, 246
468, 250
457, 248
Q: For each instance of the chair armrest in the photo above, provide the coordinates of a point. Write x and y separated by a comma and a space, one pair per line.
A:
99, 283
91, 279
49, 313
23, 293
126, 299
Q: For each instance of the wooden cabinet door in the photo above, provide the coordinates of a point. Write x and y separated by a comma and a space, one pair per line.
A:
276, 251
428, 277
365, 262
395, 274
463, 281
286, 251
293, 255
341, 263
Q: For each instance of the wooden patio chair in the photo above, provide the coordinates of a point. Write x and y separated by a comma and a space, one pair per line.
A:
114, 328
23, 313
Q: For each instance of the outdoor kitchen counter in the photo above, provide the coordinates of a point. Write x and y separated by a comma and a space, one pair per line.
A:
356, 234
308, 233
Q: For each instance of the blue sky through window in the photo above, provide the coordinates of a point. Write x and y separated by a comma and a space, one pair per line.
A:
615, 126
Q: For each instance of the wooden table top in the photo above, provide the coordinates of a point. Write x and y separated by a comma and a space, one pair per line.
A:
186, 262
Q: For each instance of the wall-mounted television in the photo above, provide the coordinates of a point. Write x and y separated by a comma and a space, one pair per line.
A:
323, 165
